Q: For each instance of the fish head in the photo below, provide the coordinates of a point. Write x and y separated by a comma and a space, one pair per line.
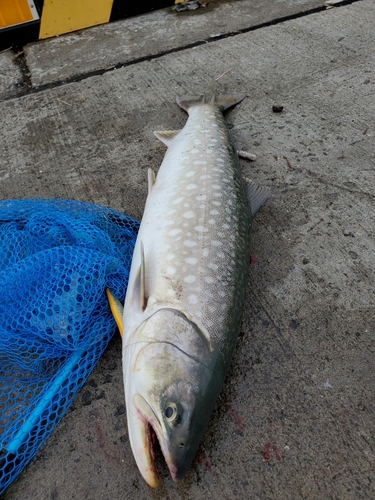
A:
169, 393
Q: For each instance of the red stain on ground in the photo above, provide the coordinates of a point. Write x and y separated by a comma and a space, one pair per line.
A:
287, 162
267, 454
103, 445
206, 463
238, 421
253, 260
274, 449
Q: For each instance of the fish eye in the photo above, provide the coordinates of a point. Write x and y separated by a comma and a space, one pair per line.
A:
172, 414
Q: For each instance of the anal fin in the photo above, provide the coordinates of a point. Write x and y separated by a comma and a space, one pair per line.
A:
258, 195
167, 136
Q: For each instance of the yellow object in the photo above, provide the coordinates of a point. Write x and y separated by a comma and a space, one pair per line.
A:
16, 12
116, 308
64, 16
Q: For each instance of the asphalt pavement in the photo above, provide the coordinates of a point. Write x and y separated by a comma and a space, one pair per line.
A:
296, 417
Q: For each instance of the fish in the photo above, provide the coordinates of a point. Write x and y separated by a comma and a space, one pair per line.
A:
186, 289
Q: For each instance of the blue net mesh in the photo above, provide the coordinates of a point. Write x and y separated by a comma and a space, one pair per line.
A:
56, 259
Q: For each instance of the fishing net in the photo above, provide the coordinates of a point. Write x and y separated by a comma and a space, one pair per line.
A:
56, 259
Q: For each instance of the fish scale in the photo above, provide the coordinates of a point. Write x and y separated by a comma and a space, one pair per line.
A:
186, 288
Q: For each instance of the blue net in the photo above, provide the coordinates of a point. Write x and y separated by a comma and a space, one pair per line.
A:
57, 257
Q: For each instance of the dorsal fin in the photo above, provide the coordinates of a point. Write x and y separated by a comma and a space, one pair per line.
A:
167, 136
258, 195
116, 308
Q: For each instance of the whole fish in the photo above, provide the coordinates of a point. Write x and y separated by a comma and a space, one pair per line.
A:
186, 288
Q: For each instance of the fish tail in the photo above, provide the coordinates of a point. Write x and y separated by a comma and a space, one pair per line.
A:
223, 101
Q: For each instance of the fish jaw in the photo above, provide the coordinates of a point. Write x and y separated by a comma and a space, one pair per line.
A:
141, 443
146, 428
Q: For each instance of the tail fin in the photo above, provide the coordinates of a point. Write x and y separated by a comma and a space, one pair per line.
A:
223, 101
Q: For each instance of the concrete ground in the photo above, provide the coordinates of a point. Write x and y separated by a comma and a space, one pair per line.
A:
296, 417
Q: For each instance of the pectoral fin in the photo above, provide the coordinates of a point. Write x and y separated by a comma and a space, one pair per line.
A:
139, 293
116, 308
258, 195
151, 179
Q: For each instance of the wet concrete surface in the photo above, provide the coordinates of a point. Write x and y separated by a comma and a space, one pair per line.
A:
296, 415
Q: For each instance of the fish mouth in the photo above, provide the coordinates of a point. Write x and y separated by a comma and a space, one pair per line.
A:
146, 436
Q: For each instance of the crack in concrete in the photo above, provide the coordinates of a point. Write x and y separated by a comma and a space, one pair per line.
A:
30, 89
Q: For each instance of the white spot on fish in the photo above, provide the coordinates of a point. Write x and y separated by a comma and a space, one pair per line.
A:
218, 195
170, 256
192, 260
189, 214
205, 252
197, 141
175, 231
214, 212
217, 203
177, 200
193, 299
221, 255
194, 151
209, 279
215, 186
191, 186
190, 243
213, 266
171, 270
170, 292
190, 278
189, 174
213, 140
201, 229
211, 221
205, 176
201, 197
216, 243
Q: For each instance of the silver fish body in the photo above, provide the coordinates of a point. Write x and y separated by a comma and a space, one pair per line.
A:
186, 288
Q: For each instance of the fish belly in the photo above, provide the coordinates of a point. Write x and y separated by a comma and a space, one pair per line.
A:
195, 231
